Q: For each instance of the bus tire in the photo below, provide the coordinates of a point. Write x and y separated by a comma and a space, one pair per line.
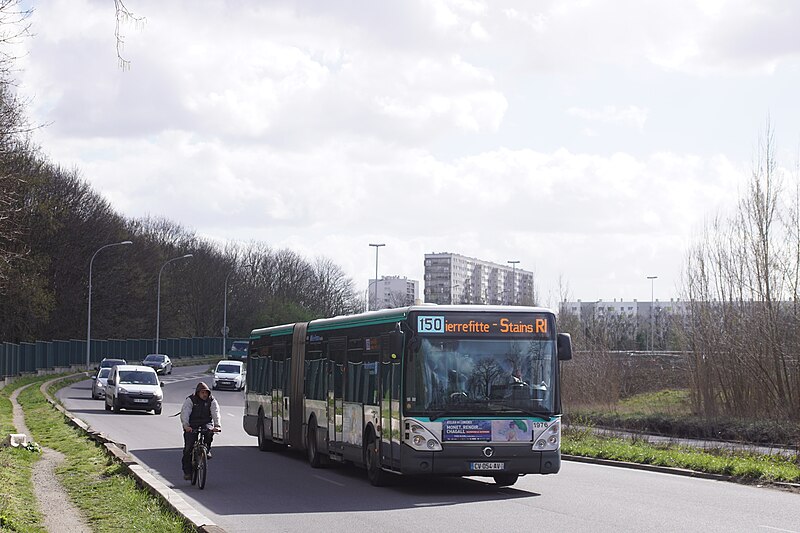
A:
314, 458
372, 458
263, 443
505, 480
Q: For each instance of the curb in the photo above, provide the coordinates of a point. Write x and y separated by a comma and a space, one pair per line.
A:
143, 477
677, 471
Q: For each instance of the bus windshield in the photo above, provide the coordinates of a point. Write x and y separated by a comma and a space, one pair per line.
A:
480, 377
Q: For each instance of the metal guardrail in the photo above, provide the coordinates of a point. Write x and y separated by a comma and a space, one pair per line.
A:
31, 357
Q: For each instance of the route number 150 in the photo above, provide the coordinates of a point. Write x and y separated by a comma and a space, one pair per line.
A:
430, 324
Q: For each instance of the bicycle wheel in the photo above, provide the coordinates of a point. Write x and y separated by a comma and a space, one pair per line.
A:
195, 455
202, 468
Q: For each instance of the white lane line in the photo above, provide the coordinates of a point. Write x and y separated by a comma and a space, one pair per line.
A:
330, 481
779, 529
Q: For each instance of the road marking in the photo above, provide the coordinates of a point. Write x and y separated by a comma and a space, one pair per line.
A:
779, 529
330, 481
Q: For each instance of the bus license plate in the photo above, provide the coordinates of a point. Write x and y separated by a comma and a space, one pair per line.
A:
487, 466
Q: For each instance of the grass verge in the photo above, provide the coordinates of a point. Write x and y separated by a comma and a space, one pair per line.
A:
669, 413
107, 497
747, 467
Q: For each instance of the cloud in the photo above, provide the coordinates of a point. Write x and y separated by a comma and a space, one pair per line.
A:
632, 116
481, 128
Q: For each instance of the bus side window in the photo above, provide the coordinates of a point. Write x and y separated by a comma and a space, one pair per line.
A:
369, 376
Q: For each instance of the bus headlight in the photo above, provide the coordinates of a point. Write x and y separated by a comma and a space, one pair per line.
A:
550, 438
420, 438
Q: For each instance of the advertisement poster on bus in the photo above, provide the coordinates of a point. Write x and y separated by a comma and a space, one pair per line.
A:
467, 430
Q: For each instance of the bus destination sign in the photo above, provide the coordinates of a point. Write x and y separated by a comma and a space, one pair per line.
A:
460, 324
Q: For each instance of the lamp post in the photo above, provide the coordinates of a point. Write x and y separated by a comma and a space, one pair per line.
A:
513, 279
652, 309
89, 314
225, 313
158, 298
377, 246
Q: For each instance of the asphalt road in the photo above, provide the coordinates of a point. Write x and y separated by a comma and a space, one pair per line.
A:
254, 491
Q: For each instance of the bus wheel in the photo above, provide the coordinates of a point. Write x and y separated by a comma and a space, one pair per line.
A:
263, 443
505, 480
377, 476
314, 457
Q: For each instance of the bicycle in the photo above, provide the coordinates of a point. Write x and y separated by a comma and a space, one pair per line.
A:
200, 455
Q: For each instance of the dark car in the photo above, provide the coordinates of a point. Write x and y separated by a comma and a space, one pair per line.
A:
108, 362
238, 350
158, 362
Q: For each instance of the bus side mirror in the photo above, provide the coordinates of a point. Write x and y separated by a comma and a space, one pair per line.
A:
564, 345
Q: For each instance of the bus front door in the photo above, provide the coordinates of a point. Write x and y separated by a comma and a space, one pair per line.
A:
391, 351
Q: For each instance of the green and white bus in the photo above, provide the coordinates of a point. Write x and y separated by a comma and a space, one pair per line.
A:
455, 390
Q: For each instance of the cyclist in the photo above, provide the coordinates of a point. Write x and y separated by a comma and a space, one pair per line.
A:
199, 409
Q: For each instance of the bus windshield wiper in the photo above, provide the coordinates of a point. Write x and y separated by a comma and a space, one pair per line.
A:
459, 409
540, 414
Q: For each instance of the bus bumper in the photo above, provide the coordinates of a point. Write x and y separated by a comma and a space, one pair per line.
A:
461, 459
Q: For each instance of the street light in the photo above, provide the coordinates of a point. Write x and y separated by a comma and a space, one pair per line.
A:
158, 299
652, 309
377, 246
513, 279
89, 317
225, 313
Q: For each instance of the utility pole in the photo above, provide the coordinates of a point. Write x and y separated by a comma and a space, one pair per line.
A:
377, 246
514, 264
652, 309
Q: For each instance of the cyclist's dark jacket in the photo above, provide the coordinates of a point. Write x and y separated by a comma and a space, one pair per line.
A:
196, 412
201, 410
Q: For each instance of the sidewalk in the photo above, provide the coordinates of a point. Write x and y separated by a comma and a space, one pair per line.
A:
54, 503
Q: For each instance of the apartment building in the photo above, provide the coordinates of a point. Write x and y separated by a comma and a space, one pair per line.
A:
392, 291
631, 308
456, 279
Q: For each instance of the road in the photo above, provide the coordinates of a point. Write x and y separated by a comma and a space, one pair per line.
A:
254, 491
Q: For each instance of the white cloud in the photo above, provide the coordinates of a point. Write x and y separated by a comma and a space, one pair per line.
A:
513, 130
628, 116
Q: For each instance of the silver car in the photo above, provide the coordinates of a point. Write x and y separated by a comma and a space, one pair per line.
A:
99, 383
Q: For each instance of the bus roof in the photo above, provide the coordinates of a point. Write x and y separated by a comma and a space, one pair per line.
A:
384, 316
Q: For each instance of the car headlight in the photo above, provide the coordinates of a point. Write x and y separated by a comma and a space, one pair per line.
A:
122, 390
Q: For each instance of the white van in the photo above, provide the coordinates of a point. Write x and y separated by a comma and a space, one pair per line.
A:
133, 387
229, 375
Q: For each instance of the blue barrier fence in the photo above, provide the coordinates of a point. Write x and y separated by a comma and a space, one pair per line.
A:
30, 357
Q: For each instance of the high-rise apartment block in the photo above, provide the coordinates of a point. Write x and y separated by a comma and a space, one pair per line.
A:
392, 291
456, 279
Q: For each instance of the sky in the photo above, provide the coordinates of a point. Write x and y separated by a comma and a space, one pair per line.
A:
588, 140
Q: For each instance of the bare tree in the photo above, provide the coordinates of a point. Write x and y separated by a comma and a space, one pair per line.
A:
123, 16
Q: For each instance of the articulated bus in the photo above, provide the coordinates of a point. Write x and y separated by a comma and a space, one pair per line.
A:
456, 390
